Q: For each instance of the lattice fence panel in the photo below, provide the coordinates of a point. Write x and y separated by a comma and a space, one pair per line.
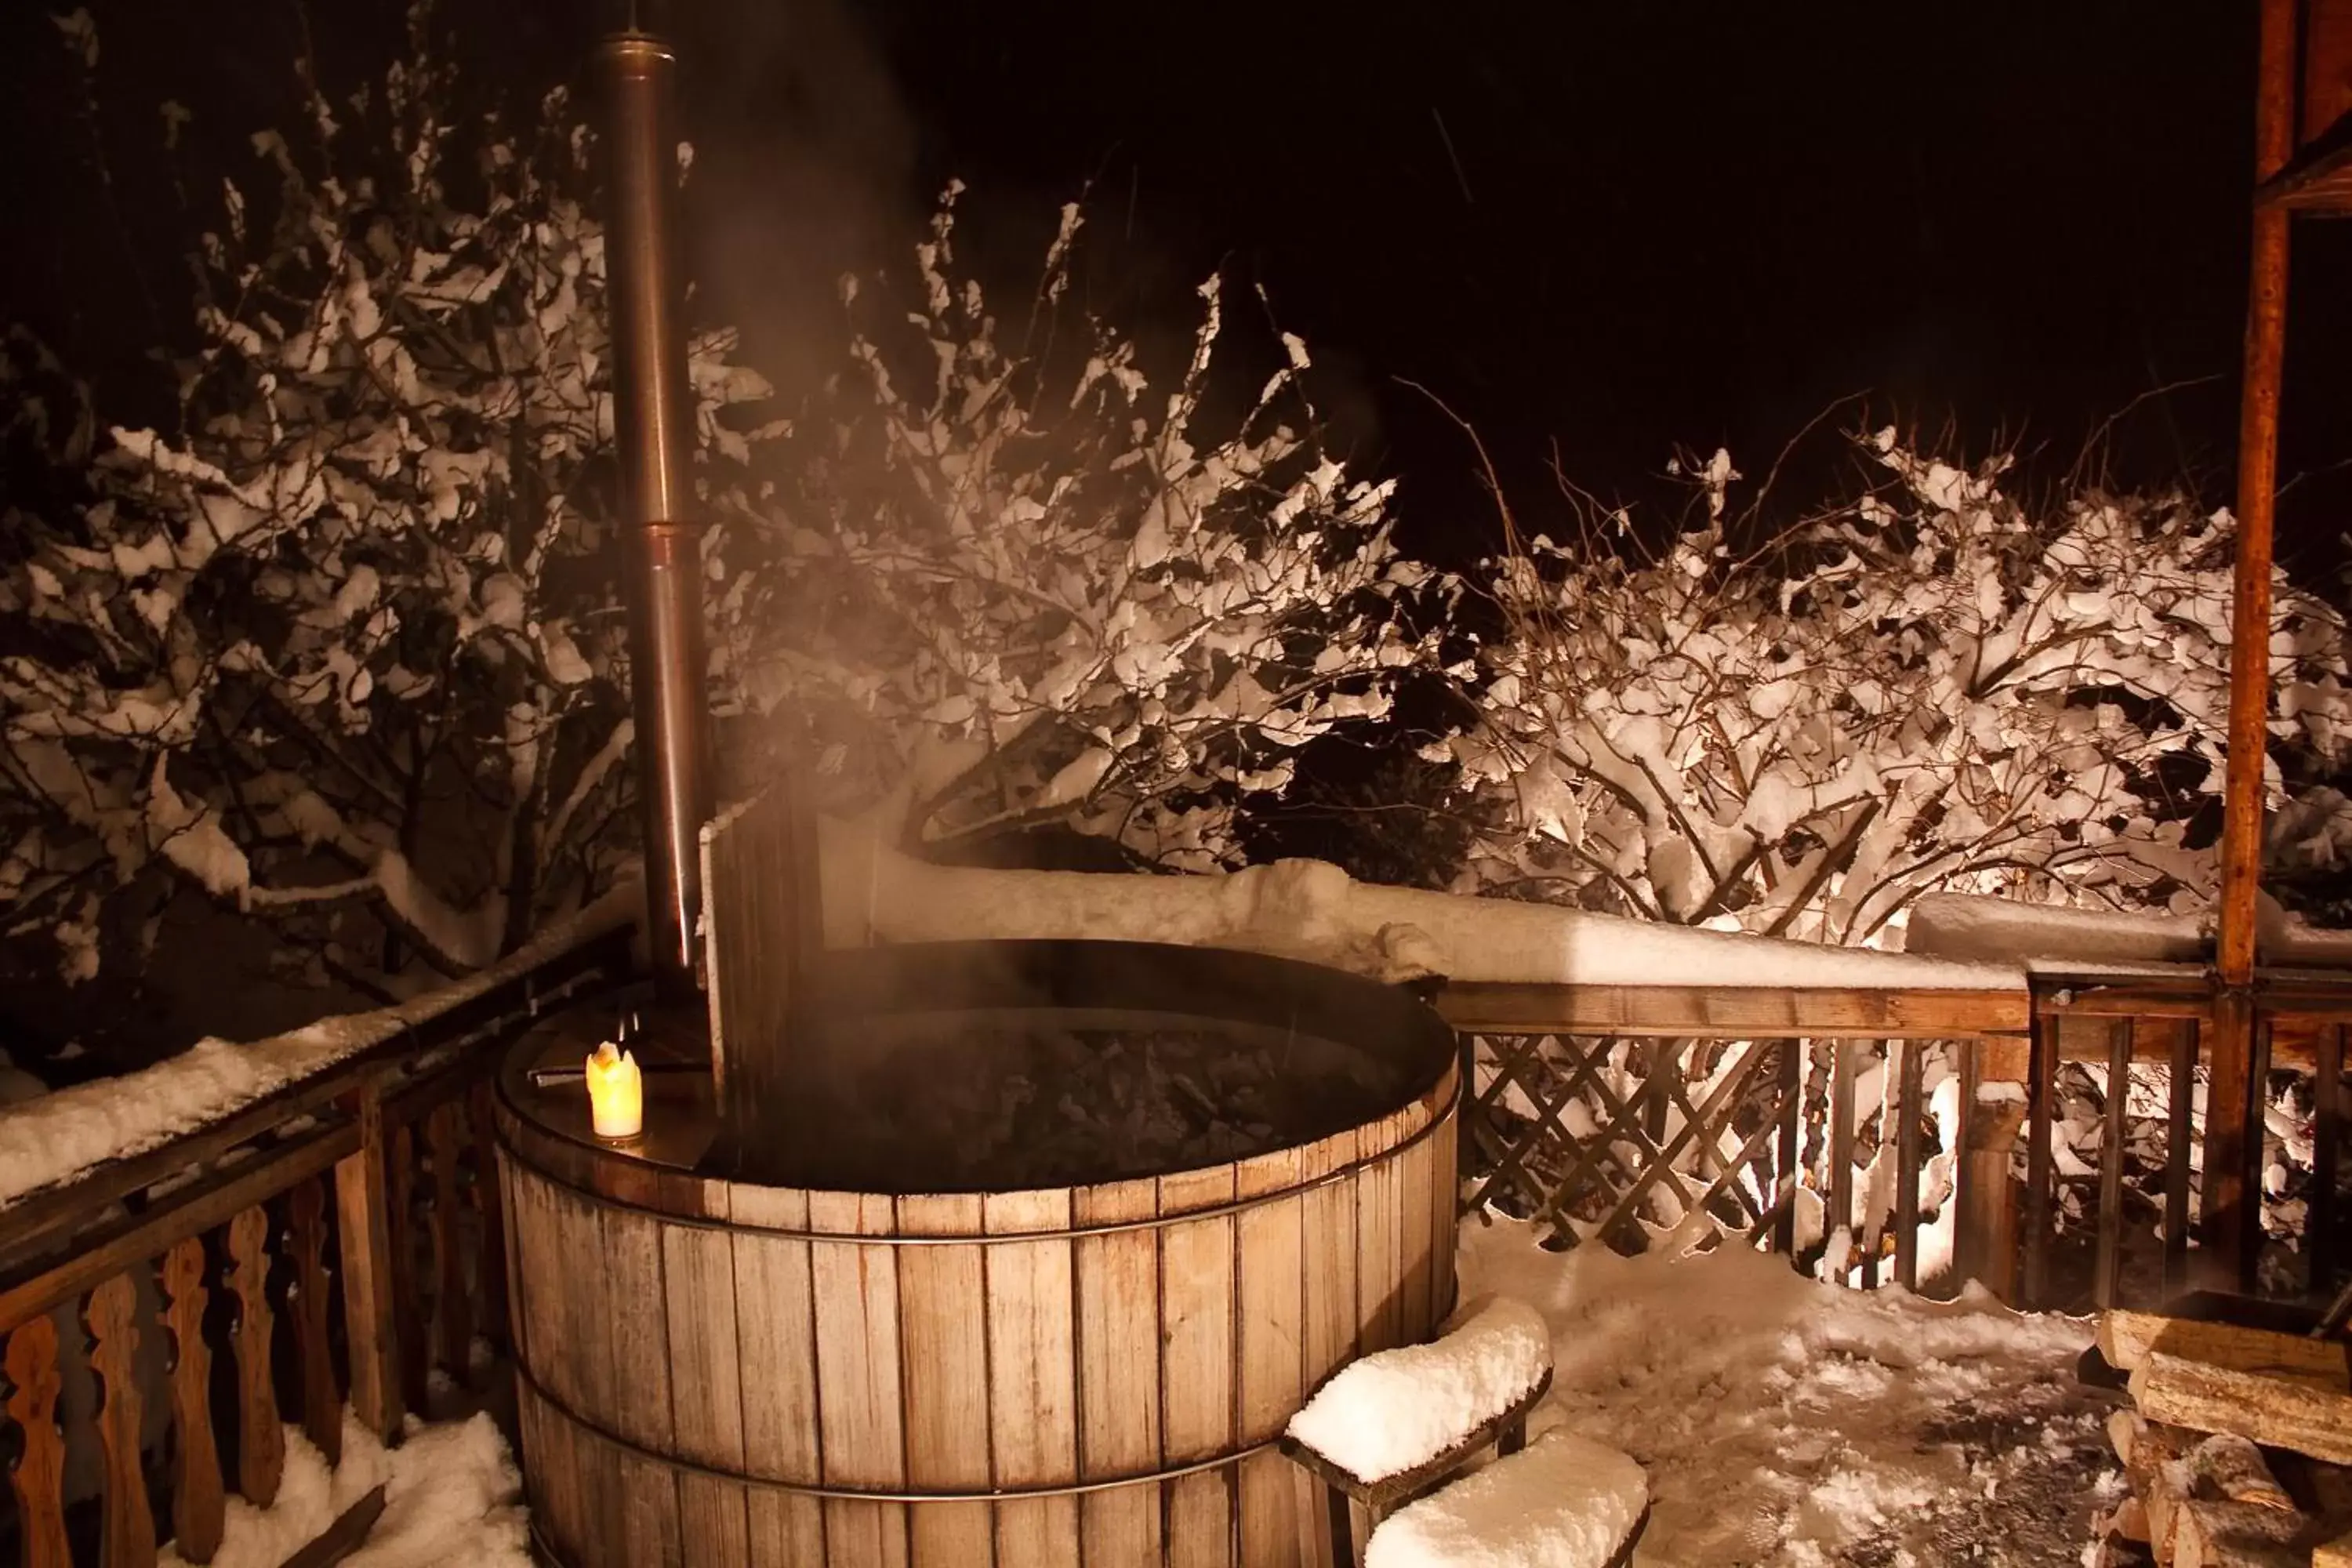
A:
1631, 1141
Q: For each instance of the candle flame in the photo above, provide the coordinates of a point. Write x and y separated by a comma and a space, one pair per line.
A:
617, 1092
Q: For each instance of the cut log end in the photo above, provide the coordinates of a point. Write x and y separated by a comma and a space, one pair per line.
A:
2127, 1339
2266, 1403
2230, 1469
2128, 1521
2122, 1429
2236, 1535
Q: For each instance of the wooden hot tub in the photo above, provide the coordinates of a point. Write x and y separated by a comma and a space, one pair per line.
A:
829, 1336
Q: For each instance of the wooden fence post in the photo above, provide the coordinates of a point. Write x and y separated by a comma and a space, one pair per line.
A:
1984, 1241
2231, 1209
366, 1228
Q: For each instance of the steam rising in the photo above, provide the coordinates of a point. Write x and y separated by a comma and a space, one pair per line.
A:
805, 169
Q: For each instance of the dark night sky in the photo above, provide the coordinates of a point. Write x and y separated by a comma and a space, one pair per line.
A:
1699, 221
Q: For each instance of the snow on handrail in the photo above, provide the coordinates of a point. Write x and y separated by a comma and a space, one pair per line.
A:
1314, 911
47, 1143
1976, 929
1301, 909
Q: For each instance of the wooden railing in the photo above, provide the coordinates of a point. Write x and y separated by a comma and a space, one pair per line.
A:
338, 1246
1613, 1115
2159, 1024
337, 1243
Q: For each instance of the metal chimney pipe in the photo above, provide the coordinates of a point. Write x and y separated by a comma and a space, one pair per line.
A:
653, 417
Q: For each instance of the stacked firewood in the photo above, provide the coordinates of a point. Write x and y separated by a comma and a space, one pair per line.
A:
2238, 1449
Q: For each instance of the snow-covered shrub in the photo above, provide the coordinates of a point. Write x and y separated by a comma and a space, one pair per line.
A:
1932, 688
344, 643
2078, 1133
1018, 587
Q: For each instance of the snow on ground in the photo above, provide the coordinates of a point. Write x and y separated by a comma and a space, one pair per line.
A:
1787, 1422
57, 1137
451, 1500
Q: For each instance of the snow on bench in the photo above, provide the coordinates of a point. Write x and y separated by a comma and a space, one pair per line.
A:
1396, 1410
1563, 1502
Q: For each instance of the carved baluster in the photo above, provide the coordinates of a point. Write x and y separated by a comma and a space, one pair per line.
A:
400, 1185
127, 1535
323, 1405
363, 1227
260, 1441
453, 1308
197, 1505
490, 1262
38, 1475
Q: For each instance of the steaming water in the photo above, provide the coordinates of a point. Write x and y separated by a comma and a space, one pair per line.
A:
995, 1099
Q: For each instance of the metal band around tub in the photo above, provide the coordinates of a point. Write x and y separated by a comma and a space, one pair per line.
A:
852, 1238
881, 1494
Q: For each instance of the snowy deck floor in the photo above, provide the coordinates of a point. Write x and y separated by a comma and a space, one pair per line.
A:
1782, 1422
1785, 1422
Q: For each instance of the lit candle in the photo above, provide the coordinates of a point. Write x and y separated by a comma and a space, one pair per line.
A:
617, 1092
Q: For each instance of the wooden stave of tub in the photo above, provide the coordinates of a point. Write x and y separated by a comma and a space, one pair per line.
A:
1248, 1282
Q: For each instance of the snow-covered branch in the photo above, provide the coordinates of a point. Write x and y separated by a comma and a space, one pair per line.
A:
1110, 611
344, 645
1929, 688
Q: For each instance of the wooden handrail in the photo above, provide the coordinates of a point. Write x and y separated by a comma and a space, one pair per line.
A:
41, 1216
190, 1211
1620, 1050
1857, 1013
274, 1187
369, 1161
1820, 1013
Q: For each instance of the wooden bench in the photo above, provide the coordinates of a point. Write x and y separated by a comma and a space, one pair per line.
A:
1506, 1432
1562, 1501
